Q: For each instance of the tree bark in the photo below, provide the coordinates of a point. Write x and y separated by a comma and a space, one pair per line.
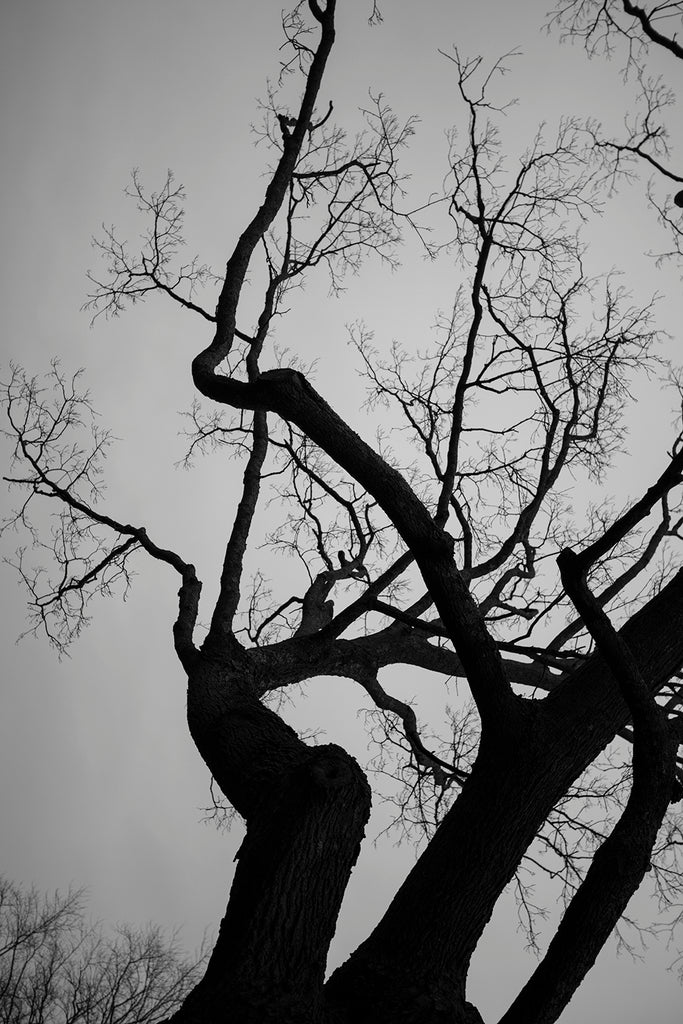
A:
619, 866
432, 927
305, 810
616, 871
428, 934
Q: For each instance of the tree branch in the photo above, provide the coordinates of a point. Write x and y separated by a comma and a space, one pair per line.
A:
620, 864
645, 19
40, 432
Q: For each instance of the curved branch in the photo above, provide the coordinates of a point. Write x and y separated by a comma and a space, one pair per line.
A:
289, 393
650, 31
442, 770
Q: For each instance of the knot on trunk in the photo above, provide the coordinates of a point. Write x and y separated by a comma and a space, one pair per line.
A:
331, 767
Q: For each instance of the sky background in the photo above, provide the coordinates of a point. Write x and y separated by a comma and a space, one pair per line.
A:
101, 785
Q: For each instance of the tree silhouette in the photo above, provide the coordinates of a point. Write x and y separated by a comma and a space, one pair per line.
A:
56, 968
458, 550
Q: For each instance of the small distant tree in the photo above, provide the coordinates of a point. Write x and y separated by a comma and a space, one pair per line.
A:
57, 968
459, 551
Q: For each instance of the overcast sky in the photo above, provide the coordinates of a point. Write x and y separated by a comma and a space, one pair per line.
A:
101, 785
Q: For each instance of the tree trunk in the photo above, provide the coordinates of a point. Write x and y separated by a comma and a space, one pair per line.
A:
617, 869
413, 968
305, 810
431, 929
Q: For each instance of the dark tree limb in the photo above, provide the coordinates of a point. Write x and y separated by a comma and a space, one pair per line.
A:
645, 19
221, 629
620, 864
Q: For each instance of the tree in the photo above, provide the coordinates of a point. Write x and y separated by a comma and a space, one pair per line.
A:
449, 556
55, 968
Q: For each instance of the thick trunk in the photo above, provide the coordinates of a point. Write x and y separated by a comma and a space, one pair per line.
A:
616, 871
431, 929
620, 864
306, 810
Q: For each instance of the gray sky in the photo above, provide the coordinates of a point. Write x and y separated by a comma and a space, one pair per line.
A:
101, 783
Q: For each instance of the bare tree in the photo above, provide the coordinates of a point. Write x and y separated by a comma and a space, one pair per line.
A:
56, 968
457, 551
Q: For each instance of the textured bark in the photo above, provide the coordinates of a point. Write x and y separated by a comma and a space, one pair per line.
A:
305, 810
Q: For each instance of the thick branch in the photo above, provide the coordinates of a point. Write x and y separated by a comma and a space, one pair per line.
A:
623, 859
288, 393
671, 477
651, 32
229, 595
